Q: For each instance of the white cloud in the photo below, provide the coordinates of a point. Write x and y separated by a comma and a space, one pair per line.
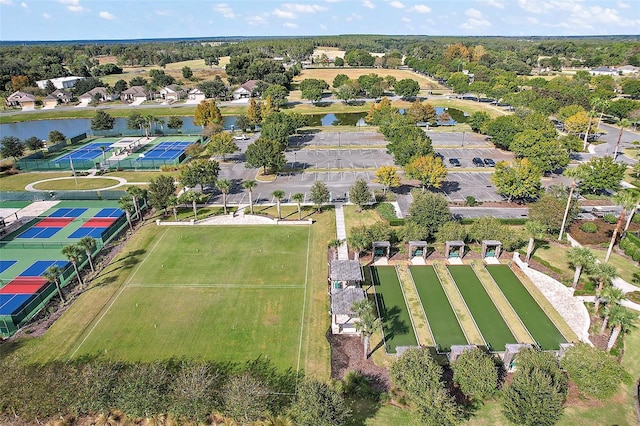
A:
353, 17
46, 16
323, 27
476, 20
73, 5
24, 5
532, 20
405, 19
165, 12
623, 5
421, 8
368, 4
290, 25
303, 8
284, 14
106, 15
256, 20
333, 1
396, 4
6, 2
494, 3
225, 10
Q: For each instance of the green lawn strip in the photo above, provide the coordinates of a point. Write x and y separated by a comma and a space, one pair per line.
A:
542, 329
237, 324
397, 327
233, 255
440, 315
81, 183
507, 311
420, 324
14, 204
493, 327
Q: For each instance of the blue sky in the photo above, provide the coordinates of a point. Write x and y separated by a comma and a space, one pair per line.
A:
120, 19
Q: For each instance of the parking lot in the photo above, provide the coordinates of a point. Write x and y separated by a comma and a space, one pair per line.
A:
465, 155
337, 139
461, 139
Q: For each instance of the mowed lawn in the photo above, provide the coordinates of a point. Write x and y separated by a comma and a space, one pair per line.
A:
222, 293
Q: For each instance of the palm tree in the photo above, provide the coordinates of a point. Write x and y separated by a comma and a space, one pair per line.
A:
358, 243
53, 275
611, 296
73, 253
191, 197
278, 194
174, 202
367, 323
580, 257
249, 185
622, 320
622, 123
88, 244
125, 204
224, 185
273, 420
333, 245
628, 201
298, 197
536, 230
136, 194
604, 274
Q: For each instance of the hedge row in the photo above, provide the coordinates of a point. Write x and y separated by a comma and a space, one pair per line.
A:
631, 246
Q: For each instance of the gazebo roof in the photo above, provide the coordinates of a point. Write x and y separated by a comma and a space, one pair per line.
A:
455, 243
418, 243
381, 244
343, 300
345, 270
492, 242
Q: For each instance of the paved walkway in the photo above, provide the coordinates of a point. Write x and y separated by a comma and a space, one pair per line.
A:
341, 233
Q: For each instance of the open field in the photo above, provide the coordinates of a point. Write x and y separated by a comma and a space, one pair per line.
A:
19, 181
328, 74
70, 184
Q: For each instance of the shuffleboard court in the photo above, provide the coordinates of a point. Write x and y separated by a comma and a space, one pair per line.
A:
490, 322
442, 319
542, 329
396, 322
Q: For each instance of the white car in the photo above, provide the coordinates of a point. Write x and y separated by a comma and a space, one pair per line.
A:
241, 137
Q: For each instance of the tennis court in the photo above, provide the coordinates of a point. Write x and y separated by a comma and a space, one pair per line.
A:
165, 151
86, 152
494, 329
542, 329
397, 326
441, 317
31, 250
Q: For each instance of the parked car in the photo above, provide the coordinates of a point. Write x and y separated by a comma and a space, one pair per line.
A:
438, 155
454, 162
477, 161
241, 137
489, 162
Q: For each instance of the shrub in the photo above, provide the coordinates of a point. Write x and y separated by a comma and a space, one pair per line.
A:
387, 211
589, 227
610, 218
471, 201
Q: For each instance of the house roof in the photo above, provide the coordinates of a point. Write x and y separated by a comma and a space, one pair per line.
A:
136, 91
196, 91
628, 68
61, 79
91, 93
59, 94
172, 88
345, 270
342, 300
249, 85
21, 97
604, 69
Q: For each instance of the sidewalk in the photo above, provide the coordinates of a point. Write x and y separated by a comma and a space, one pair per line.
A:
341, 233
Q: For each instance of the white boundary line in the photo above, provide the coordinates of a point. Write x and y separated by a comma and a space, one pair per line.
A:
118, 295
247, 286
304, 305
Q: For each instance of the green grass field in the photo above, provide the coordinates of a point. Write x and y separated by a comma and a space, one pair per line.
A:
396, 322
223, 293
493, 327
442, 319
537, 322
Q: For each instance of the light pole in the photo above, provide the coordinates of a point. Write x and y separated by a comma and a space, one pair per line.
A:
295, 162
463, 139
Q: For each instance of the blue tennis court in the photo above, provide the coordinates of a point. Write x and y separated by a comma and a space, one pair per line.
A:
109, 212
165, 151
39, 267
14, 303
6, 264
68, 212
39, 232
87, 232
87, 152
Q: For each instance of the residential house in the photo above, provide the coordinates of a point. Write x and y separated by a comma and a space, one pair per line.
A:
21, 99
136, 93
196, 95
60, 82
345, 278
629, 69
172, 93
102, 92
603, 71
245, 91
57, 97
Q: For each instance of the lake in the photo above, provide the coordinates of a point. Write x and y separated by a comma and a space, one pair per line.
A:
76, 126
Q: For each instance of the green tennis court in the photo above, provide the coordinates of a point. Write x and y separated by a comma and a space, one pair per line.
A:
493, 327
396, 322
542, 329
440, 315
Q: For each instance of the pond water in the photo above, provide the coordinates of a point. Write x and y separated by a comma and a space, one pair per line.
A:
76, 126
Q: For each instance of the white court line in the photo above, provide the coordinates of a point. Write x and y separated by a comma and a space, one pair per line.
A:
179, 286
118, 295
304, 305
